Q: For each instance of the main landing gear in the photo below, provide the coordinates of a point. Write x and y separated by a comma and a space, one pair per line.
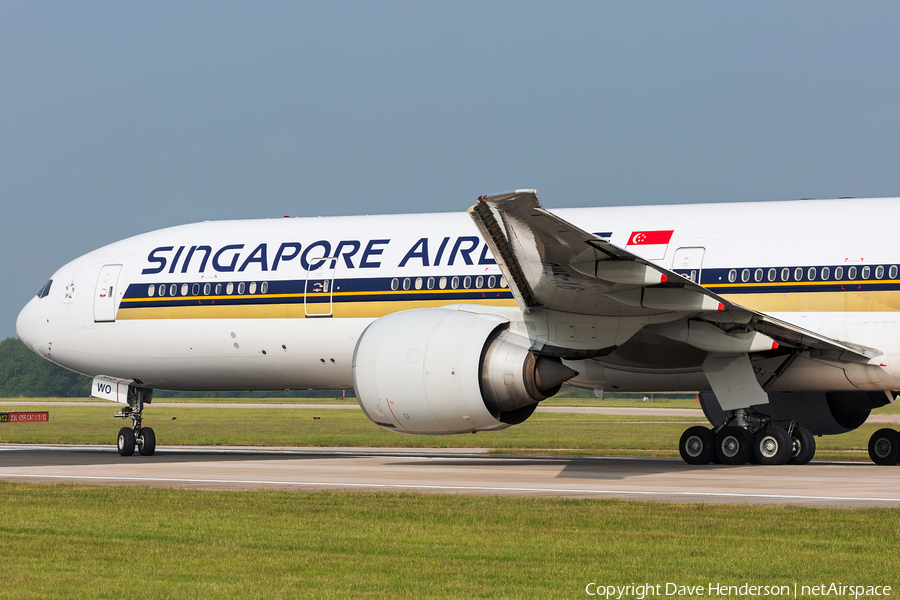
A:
135, 436
745, 437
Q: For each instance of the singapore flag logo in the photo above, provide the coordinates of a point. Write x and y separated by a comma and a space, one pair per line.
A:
651, 245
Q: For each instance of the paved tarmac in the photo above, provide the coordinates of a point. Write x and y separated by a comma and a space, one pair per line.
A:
463, 471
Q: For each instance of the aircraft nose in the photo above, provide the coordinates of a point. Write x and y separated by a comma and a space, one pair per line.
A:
27, 323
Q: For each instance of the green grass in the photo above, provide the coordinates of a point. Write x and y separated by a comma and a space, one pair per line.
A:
547, 433
337, 427
65, 541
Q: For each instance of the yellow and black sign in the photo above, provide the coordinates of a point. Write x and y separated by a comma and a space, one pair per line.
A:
25, 417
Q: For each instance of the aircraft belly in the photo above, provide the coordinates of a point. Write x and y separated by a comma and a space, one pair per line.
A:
217, 354
805, 374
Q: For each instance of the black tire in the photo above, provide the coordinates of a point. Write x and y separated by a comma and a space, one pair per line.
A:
772, 446
884, 447
126, 442
804, 447
147, 443
697, 445
733, 445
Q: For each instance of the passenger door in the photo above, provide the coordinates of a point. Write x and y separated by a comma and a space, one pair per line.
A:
105, 294
317, 300
688, 262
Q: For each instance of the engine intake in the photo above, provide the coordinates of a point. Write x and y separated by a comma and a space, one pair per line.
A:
436, 371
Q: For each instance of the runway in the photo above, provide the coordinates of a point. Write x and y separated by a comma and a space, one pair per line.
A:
464, 471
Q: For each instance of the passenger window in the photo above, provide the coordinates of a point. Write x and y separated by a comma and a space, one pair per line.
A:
418, 285
732, 276
218, 289
479, 282
264, 288
785, 274
406, 283
454, 283
229, 289
207, 289
195, 289
162, 290
151, 290
879, 272
892, 272
173, 289
839, 273
395, 284
773, 273
253, 287
826, 272
811, 274
443, 283
184, 289
851, 273
745, 275
758, 275
467, 282
798, 274
430, 283
503, 281
492, 281
866, 271
241, 288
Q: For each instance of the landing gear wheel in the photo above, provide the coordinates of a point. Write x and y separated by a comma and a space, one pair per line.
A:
884, 447
697, 445
804, 447
772, 446
147, 442
126, 441
733, 445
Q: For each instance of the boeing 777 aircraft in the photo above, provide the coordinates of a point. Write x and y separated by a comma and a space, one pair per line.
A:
783, 315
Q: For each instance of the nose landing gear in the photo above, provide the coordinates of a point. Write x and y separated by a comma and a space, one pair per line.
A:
136, 436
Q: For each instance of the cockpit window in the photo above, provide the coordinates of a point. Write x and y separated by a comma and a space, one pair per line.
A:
45, 290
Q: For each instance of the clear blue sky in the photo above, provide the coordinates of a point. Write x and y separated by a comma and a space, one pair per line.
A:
122, 117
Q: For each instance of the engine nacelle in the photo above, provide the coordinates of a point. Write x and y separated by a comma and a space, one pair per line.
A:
435, 371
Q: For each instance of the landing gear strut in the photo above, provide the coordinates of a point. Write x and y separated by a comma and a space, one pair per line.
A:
136, 436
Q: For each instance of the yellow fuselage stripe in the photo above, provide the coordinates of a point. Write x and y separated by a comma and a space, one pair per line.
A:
345, 310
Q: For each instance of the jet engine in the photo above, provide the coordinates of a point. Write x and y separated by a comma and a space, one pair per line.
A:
436, 371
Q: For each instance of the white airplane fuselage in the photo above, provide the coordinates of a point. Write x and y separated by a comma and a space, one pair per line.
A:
250, 305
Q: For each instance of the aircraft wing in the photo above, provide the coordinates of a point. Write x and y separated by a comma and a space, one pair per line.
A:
550, 263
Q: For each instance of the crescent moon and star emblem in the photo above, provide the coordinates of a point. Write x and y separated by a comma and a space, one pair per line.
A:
638, 238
